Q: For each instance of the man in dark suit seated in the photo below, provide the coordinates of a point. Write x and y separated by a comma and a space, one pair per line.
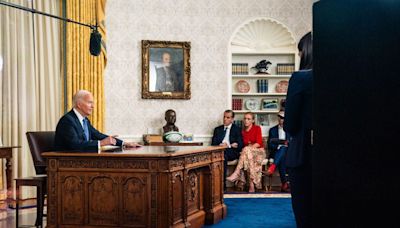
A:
277, 147
74, 131
228, 135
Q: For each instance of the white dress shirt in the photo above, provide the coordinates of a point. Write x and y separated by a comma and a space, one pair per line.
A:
282, 135
80, 117
227, 133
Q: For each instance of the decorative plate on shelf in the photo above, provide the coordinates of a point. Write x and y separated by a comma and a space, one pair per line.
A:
252, 104
282, 86
243, 86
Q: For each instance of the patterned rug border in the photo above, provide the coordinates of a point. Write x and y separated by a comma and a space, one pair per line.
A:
258, 195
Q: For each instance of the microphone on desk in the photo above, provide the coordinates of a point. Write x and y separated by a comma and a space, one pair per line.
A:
95, 42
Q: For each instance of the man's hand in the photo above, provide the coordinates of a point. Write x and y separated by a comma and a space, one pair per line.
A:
131, 144
234, 145
110, 140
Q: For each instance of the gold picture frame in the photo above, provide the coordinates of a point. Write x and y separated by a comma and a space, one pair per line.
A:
165, 69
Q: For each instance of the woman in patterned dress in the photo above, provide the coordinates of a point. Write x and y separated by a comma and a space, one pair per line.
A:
251, 156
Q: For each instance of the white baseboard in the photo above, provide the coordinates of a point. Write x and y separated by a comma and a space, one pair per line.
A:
205, 139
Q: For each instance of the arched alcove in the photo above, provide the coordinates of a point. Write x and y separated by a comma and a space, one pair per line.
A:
263, 35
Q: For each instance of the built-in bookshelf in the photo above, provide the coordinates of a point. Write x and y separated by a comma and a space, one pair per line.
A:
262, 92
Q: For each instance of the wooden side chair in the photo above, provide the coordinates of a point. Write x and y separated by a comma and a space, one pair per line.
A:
39, 142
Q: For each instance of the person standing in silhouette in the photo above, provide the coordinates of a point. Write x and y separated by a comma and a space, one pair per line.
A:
297, 124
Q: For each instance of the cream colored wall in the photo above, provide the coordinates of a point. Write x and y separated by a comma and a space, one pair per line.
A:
208, 25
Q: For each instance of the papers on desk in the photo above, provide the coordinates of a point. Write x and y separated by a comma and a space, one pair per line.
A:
108, 147
188, 142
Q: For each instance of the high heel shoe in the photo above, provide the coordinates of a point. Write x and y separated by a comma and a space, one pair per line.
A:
234, 177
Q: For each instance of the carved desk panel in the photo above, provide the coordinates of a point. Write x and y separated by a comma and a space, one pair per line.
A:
145, 187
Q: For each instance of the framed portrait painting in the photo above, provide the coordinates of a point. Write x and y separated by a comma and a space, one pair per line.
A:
165, 69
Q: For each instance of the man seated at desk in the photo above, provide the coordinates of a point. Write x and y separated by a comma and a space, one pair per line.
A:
228, 135
74, 131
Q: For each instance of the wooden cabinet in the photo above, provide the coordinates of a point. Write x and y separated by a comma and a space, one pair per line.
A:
146, 187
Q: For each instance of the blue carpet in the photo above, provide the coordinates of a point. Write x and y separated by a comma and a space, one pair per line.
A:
258, 212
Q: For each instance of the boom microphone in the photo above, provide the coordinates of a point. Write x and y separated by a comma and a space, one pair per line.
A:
95, 42
95, 36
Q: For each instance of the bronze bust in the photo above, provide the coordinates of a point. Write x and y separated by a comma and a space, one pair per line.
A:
170, 117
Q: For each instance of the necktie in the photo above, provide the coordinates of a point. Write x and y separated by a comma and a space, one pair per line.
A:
86, 129
226, 139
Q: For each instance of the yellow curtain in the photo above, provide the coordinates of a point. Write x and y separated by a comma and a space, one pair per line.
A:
85, 71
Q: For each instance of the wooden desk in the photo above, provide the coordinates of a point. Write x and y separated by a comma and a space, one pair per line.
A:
6, 152
145, 187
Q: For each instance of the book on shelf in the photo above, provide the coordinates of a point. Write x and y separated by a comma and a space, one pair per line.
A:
237, 103
284, 68
262, 86
240, 68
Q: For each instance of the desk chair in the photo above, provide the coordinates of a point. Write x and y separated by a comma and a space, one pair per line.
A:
39, 142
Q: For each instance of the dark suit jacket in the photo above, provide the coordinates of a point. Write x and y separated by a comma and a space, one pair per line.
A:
177, 79
235, 136
273, 145
71, 137
298, 110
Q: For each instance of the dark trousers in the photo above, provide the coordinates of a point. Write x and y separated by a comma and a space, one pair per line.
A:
229, 155
280, 161
301, 189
